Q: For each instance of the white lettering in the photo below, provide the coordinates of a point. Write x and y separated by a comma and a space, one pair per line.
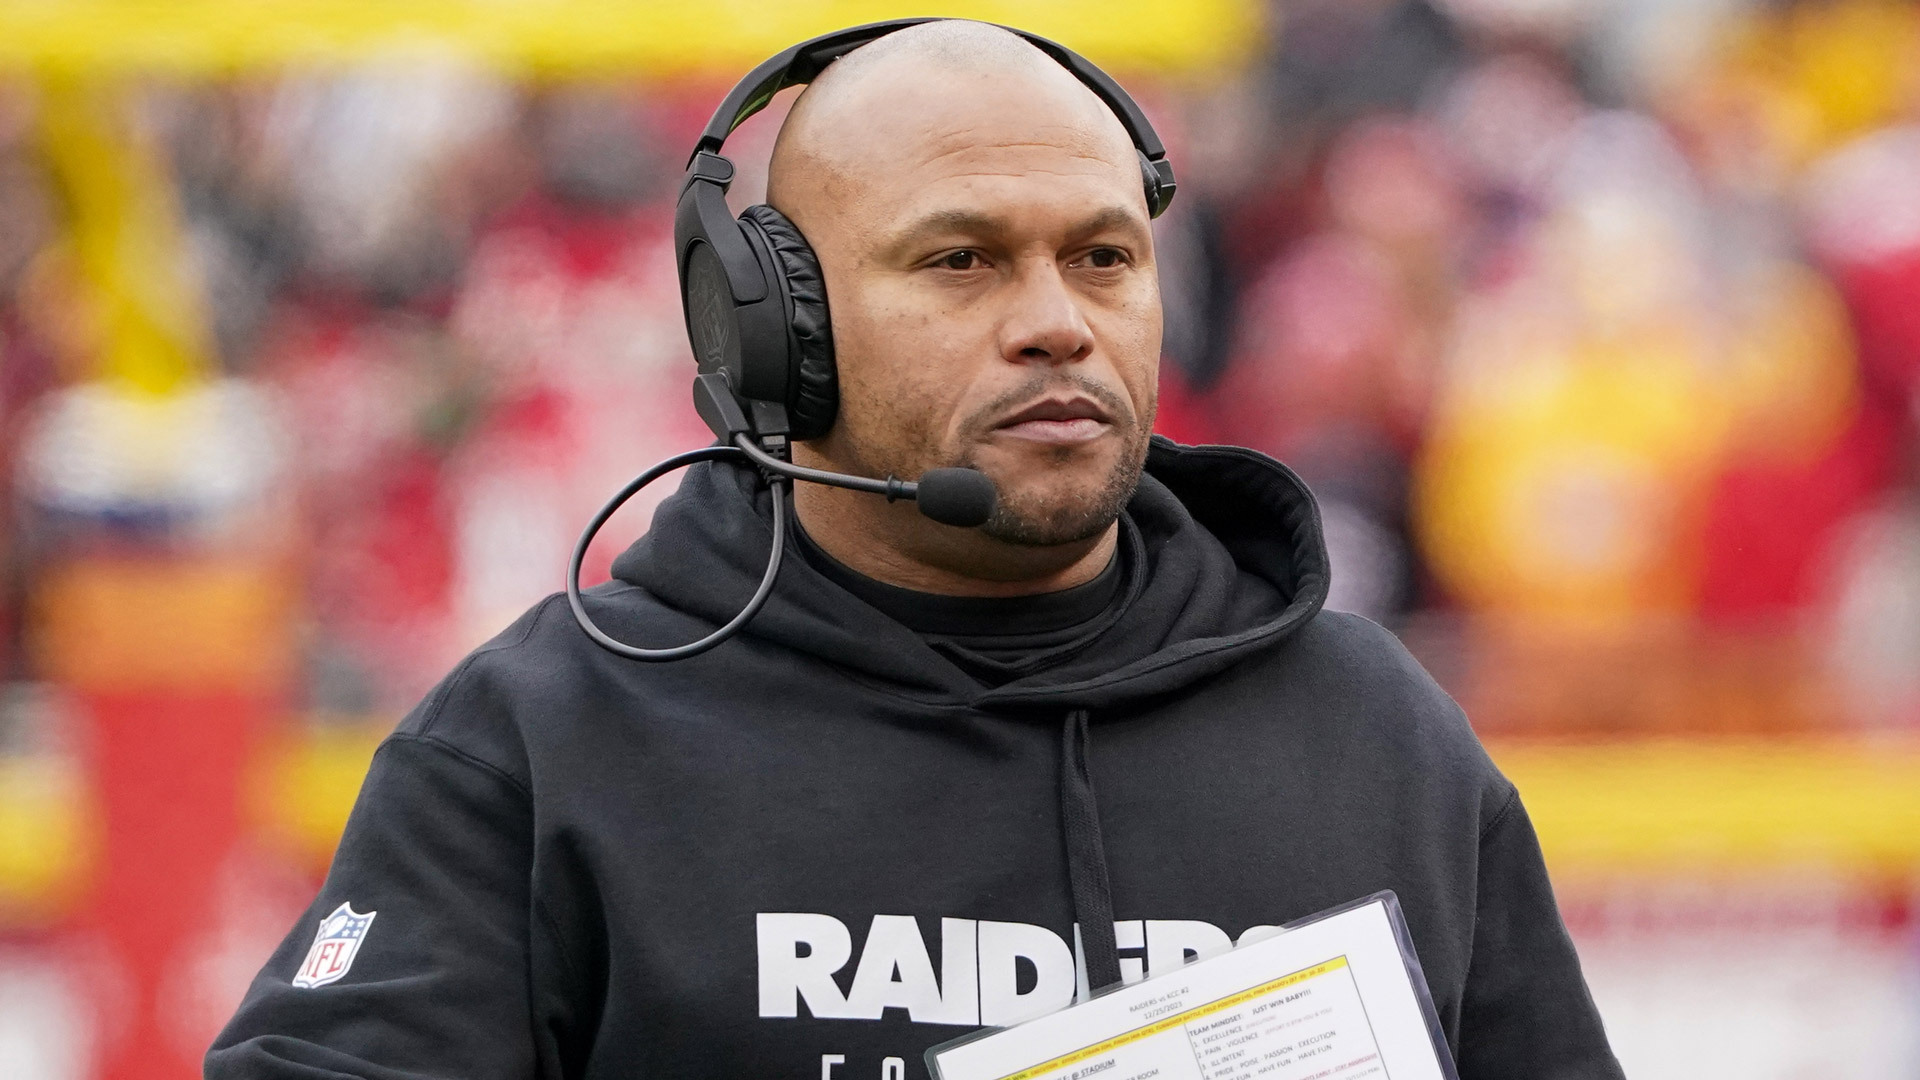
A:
1170, 940
894, 947
827, 1062
786, 975
1002, 945
1131, 934
982, 965
893, 1069
1127, 934
1080, 991
959, 974
1256, 933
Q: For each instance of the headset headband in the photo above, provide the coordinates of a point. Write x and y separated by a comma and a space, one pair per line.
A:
804, 62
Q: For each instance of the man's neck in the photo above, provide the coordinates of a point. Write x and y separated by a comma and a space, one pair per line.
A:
894, 543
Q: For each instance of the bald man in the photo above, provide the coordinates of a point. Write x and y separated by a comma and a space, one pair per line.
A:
947, 778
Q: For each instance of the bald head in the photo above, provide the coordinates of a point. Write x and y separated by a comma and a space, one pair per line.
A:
943, 83
983, 234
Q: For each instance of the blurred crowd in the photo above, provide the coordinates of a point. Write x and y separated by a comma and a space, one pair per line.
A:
1594, 327
1597, 330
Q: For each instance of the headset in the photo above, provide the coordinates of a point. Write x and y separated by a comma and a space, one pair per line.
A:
756, 310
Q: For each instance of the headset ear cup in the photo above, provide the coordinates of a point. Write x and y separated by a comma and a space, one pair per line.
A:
1158, 178
815, 384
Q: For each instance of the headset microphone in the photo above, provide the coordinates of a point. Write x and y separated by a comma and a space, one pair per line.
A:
963, 498
756, 308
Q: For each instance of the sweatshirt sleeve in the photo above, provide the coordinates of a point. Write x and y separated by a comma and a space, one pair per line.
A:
1526, 1013
436, 858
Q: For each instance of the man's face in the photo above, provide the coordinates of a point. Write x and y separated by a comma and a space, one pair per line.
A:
995, 304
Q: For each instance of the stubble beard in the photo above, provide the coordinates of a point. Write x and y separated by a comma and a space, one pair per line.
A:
1035, 521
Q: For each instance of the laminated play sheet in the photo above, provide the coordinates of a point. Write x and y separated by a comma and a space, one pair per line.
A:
1339, 996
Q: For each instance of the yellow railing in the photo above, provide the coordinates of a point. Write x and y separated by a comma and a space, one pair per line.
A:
1192, 38
1849, 805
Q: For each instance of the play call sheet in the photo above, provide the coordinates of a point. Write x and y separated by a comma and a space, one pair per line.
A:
1331, 1000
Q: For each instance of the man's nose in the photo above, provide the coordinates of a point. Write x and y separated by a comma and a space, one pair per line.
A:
1043, 322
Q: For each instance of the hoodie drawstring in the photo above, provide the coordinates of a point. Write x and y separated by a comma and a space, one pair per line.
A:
1086, 856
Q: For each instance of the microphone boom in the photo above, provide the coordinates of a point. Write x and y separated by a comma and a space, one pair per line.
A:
962, 498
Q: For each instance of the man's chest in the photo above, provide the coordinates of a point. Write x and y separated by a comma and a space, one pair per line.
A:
844, 938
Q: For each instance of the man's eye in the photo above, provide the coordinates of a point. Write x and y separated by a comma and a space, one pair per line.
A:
960, 260
1105, 258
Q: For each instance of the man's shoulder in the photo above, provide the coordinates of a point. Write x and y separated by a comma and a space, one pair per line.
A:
1357, 686
1354, 648
477, 710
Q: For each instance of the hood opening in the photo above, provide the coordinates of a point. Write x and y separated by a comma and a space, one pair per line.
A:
1235, 563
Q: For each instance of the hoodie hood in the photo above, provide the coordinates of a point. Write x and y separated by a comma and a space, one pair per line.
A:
1230, 561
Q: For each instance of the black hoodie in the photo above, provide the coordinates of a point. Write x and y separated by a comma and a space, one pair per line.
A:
823, 847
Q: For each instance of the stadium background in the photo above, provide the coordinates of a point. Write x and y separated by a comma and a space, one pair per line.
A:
1596, 327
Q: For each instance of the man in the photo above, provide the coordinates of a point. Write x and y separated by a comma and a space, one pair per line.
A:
917, 792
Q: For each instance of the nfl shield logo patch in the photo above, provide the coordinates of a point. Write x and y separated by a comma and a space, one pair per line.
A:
334, 947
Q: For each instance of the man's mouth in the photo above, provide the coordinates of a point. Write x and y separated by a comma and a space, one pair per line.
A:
1060, 420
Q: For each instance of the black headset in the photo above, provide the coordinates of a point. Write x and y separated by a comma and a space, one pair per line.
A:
755, 302
756, 310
